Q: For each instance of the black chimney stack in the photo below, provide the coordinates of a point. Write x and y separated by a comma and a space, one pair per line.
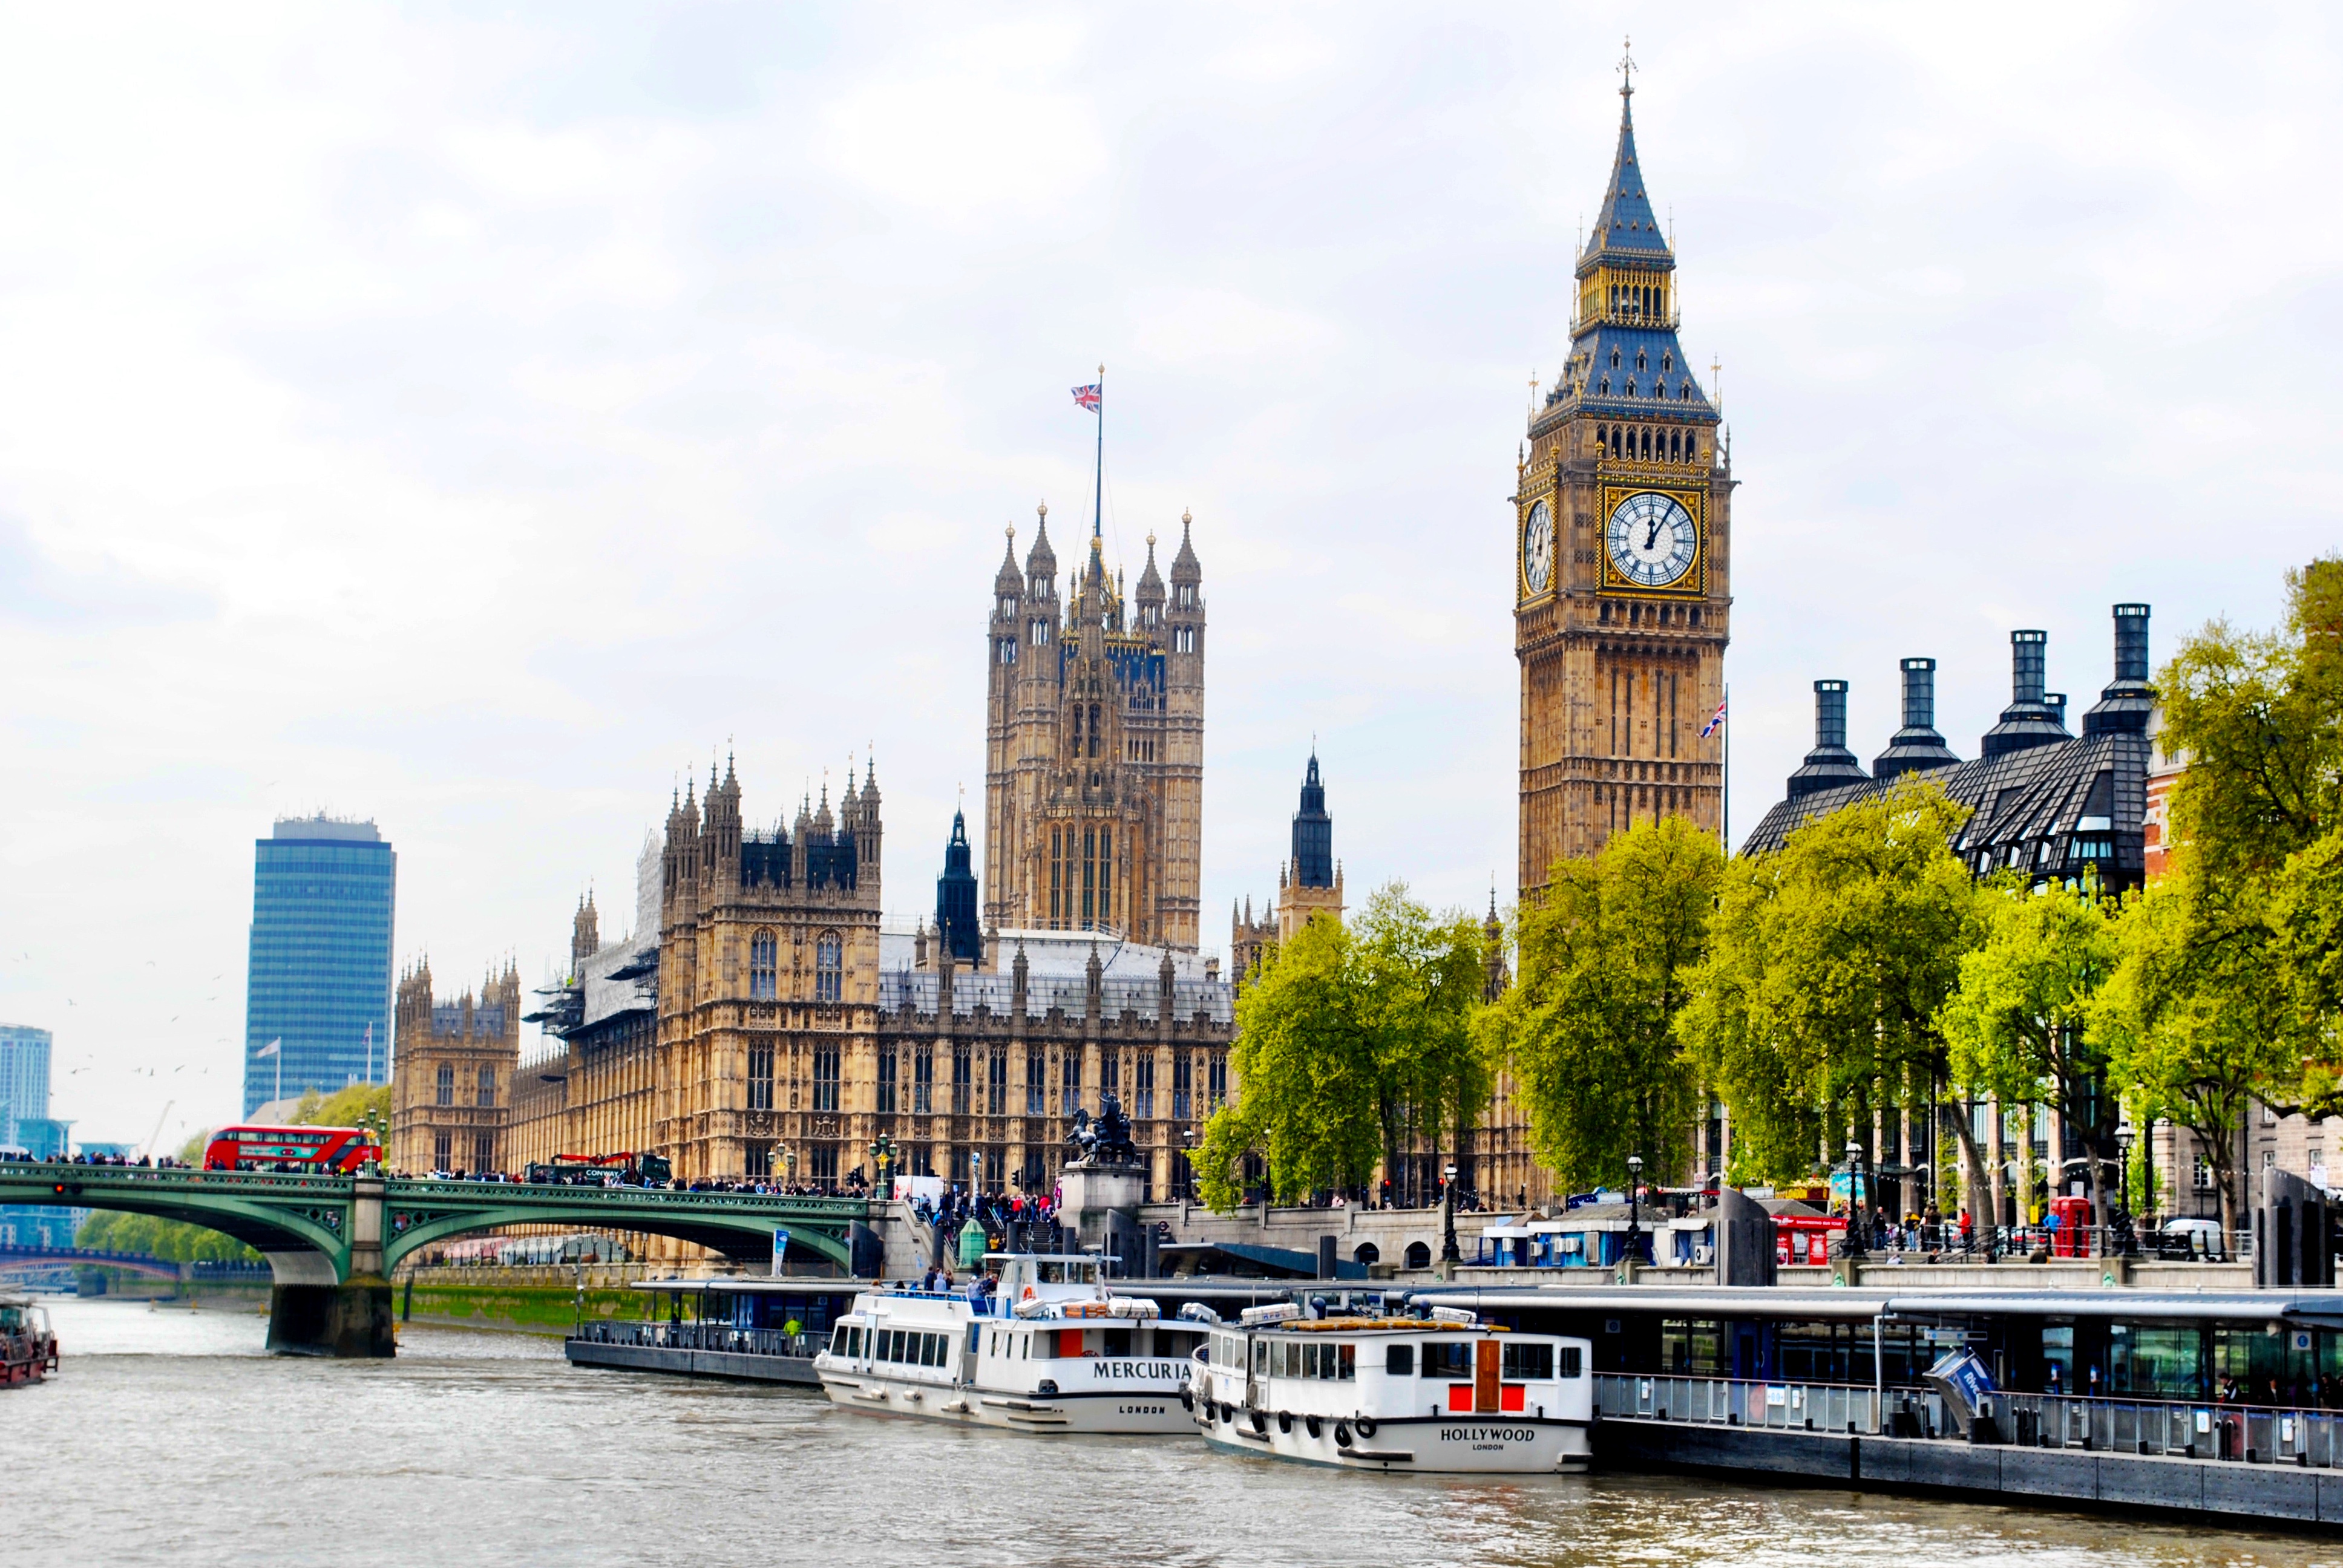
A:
2029, 720
2124, 705
1830, 764
1916, 747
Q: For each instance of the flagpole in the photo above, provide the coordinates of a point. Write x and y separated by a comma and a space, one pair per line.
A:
1724, 793
1098, 493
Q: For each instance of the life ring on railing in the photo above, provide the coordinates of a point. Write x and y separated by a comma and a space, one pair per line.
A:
1366, 1428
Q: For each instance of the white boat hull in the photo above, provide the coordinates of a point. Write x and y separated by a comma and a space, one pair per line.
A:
1440, 1444
1135, 1412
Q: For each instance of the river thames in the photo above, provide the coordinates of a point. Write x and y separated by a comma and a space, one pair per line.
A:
171, 1437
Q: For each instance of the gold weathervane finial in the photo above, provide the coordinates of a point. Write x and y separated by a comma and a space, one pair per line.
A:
1627, 68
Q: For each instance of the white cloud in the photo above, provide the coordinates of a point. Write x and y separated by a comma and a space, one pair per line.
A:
471, 422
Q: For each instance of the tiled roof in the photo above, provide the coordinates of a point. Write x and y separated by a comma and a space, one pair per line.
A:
2049, 811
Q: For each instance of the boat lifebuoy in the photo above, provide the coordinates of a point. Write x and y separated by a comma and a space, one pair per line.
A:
1366, 1427
1341, 1434
1028, 1295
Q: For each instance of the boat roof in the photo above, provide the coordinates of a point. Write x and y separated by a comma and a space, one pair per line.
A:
760, 1285
2323, 1308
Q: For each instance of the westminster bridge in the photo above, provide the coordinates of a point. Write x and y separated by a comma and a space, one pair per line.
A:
332, 1242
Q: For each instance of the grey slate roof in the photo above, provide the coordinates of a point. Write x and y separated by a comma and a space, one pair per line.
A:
2049, 811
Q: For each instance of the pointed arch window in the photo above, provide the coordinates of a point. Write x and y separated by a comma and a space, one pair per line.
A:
1631, 386
764, 967
828, 969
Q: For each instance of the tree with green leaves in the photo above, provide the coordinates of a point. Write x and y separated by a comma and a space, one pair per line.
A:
1588, 1030
2196, 1025
1828, 966
2021, 1021
1347, 1036
2230, 981
171, 1240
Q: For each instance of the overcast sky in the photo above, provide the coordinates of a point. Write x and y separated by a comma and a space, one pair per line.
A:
474, 419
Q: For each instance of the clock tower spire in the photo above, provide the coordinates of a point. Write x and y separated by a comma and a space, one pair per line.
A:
1622, 542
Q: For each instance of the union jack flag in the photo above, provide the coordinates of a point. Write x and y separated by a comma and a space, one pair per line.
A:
1088, 397
1716, 723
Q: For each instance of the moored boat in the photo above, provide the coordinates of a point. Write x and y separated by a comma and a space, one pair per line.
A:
28, 1346
1046, 1349
1443, 1393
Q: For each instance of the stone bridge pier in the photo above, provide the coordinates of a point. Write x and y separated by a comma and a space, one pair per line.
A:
313, 1310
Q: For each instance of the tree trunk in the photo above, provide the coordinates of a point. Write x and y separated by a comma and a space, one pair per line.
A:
1998, 1129
1973, 1185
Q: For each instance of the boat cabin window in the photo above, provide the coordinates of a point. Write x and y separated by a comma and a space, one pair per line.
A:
1066, 1270
1448, 1360
1399, 1360
1529, 1363
1313, 1359
1261, 1358
1114, 1341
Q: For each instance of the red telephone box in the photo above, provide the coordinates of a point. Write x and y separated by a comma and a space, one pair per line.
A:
2072, 1238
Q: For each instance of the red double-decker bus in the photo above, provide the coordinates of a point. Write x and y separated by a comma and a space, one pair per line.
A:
335, 1148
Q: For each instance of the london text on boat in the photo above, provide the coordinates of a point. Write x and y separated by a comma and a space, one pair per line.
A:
1439, 1394
1038, 1345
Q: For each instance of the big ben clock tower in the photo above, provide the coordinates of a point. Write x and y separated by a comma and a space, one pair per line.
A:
1622, 544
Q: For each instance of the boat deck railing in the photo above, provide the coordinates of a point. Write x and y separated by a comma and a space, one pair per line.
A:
653, 1334
2250, 1435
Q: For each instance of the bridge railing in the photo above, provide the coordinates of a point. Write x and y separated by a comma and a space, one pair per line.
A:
721, 1337
50, 1173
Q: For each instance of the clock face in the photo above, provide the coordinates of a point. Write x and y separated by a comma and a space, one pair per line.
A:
1652, 540
1537, 548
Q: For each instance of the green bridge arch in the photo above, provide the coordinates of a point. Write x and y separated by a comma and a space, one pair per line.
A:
319, 1229
421, 1214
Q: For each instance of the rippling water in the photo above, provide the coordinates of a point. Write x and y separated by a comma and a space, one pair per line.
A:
170, 1437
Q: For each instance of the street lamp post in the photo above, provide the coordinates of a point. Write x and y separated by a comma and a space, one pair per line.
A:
1635, 1212
883, 1155
2125, 1135
1450, 1255
789, 1167
1858, 1228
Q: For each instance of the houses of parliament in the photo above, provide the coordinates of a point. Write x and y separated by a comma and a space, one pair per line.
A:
757, 1019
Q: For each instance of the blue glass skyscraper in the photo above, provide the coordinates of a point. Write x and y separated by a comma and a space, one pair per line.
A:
320, 981
24, 1084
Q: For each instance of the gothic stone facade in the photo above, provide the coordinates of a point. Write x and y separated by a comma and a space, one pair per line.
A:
781, 1048
1094, 748
768, 983
451, 1077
